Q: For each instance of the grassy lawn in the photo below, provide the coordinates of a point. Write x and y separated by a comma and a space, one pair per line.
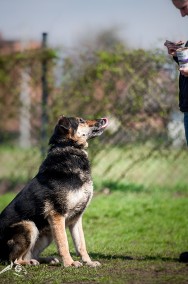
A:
137, 236
136, 224
140, 165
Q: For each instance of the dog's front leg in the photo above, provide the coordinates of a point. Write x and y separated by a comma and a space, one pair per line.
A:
77, 234
57, 224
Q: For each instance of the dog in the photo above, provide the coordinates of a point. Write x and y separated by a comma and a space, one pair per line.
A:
54, 199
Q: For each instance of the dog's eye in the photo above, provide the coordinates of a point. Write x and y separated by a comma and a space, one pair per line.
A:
81, 120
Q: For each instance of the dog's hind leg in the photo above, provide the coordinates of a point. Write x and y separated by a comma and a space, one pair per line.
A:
77, 234
21, 240
45, 238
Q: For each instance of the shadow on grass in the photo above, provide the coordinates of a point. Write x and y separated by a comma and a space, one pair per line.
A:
109, 256
124, 257
161, 258
118, 186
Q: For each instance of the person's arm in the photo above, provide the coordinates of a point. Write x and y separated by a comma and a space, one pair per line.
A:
172, 47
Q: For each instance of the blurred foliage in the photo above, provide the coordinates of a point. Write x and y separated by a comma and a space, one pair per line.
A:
12, 68
135, 88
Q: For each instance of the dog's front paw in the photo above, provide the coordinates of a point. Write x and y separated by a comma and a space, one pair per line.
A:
93, 263
76, 264
73, 263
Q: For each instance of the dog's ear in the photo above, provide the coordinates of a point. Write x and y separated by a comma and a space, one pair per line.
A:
64, 122
61, 130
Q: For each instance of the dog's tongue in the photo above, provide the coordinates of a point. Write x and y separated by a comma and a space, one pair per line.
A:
105, 119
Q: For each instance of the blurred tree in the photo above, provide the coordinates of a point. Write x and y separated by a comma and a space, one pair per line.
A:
105, 77
132, 86
12, 67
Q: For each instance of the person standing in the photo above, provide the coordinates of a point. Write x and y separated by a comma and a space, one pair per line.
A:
182, 6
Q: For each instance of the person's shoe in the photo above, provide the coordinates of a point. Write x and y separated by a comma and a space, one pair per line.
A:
184, 257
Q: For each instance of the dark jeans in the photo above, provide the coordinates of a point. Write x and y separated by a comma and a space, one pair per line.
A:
186, 125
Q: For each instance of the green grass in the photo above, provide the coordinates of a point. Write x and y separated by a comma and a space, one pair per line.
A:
137, 230
137, 235
142, 165
136, 165
18, 165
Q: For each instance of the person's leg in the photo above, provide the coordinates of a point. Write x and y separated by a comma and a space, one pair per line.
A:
186, 125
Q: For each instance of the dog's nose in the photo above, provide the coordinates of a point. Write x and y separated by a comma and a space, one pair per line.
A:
103, 122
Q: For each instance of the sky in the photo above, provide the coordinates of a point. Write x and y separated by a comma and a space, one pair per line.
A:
142, 23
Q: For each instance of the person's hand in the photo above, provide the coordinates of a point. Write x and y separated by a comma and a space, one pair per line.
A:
173, 46
184, 71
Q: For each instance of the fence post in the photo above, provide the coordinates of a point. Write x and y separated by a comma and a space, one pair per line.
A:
25, 111
44, 117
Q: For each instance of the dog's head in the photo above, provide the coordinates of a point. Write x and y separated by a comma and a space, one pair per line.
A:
76, 131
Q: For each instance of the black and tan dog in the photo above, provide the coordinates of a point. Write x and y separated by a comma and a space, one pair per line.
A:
55, 198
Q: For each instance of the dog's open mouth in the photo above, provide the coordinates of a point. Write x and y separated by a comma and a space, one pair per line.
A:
99, 127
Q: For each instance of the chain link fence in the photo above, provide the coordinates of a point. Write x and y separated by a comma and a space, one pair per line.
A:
144, 144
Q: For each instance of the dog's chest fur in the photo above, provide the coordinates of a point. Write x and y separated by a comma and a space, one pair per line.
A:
78, 200
68, 173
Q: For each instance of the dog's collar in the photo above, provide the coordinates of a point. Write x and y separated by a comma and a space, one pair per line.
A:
67, 144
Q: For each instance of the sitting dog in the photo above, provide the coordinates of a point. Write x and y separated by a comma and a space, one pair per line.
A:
55, 198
